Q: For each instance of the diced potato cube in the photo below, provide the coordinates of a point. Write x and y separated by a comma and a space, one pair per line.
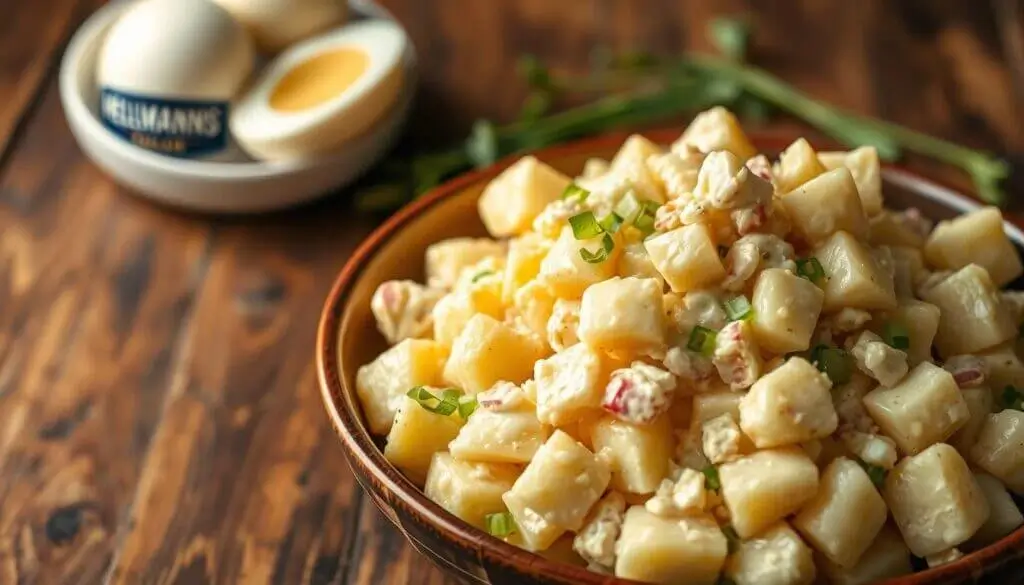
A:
638, 454
676, 172
489, 351
383, 383
979, 403
500, 437
935, 500
535, 304
635, 261
623, 314
687, 257
907, 269
722, 440
525, 254
511, 201
630, 162
797, 165
556, 490
845, 515
1004, 368
765, 487
855, 278
925, 408
416, 435
999, 448
866, 171
887, 557
1004, 518
921, 321
471, 491
975, 238
676, 551
446, 259
786, 310
973, 318
789, 405
568, 385
565, 270
824, 205
889, 228
455, 309
711, 405
775, 557
716, 129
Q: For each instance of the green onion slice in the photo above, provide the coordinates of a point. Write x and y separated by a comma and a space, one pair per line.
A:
645, 223
607, 245
702, 340
468, 407
501, 524
896, 335
875, 472
585, 226
575, 191
629, 207
835, 362
444, 405
481, 274
738, 308
711, 480
611, 223
810, 269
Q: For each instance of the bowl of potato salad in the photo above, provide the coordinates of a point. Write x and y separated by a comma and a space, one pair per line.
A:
699, 359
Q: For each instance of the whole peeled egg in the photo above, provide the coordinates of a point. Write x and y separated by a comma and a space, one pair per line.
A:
167, 73
276, 24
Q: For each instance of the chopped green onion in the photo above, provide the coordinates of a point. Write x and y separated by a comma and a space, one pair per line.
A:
702, 340
835, 362
731, 537
501, 524
468, 407
810, 269
481, 274
711, 480
645, 223
447, 403
575, 191
1012, 398
607, 245
637, 211
420, 394
896, 335
585, 226
629, 207
875, 472
738, 308
611, 223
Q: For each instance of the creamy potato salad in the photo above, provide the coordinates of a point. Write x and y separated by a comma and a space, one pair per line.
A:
694, 366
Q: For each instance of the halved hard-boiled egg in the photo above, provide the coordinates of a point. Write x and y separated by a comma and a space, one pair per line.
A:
322, 92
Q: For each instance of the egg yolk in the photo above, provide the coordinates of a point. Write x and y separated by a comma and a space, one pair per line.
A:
318, 79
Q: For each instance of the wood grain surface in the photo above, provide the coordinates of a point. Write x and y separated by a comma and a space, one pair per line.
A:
159, 418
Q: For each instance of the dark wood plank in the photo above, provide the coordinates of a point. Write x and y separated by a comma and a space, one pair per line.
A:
95, 290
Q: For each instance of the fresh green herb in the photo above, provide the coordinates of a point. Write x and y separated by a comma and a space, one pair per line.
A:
468, 406
501, 524
1012, 398
611, 223
875, 472
702, 340
711, 479
607, 245
585, 226
896, 335
482, 144
537, 104
738, 308
443, 405
835, 362
810, 269
574, 191
629, 207
730, 36
731, 537
481, 274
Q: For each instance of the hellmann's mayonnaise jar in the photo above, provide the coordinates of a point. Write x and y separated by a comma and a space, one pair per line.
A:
168, 72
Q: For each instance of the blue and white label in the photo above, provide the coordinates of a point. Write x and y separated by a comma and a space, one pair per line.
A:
182, 128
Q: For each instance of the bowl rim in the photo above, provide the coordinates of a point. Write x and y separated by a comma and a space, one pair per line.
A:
359, 446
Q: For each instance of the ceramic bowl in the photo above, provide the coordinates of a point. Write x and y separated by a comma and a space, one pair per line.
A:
348, 338
245, 186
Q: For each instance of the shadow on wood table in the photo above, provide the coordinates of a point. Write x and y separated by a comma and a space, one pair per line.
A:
159, 417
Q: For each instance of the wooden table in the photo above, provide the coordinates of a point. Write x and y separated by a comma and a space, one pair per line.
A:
159, 415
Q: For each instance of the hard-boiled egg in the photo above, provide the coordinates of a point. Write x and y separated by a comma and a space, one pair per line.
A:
275, 24
323, 92
167, 73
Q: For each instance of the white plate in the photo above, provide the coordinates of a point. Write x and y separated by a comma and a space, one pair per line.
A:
217, 187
